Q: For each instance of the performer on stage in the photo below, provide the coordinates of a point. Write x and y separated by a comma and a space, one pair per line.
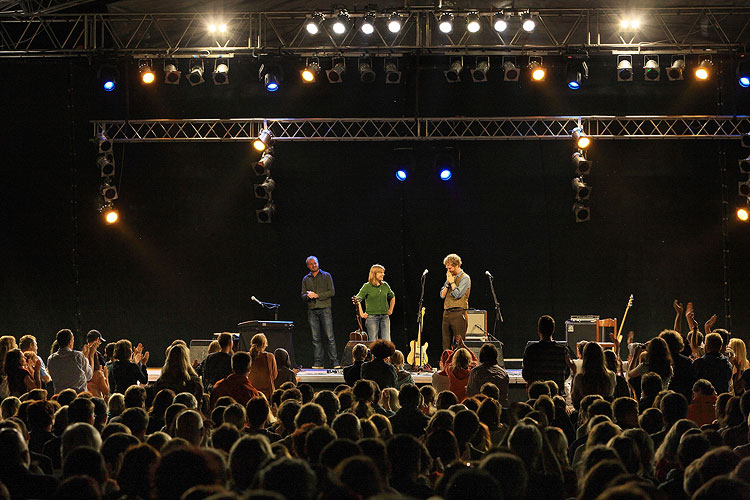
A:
455, 291
379, 301
317, 290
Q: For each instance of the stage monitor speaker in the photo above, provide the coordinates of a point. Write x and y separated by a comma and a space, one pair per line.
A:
477, 321
199, 349
346, 358
279, 334
475, 345
576, 331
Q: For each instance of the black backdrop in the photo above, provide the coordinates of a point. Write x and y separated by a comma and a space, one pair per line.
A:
188, 253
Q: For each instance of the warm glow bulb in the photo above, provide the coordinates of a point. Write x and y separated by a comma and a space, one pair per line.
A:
538, 74
307, 75
212, 28
148, 77
111, 216
473, 26
701, 74
743, 214
583, 142
259, 145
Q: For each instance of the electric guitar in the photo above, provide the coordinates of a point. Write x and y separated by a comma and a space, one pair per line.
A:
417, 356
359, 333
619, 332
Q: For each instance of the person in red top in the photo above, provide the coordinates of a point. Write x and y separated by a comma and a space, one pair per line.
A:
459, 369
236, 385
702, 410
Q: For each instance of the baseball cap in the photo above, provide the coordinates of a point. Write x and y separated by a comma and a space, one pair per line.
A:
93, 335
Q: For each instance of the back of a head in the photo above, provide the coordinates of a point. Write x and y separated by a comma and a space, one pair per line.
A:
405, 454
726, 488
78, 487
360, 475
77, 435
538, 388
136, 419
81, 410
545, 326
691, 448
509, 471
596, 480
310, 413
136, 473
13, 449
189, 425
409, 396
488, 354
337, 450
181, 469
465, 425
187, 399
600, 407
717, 462
85, 461
673, 407
317, 439
601, 433
526, 442
346, 425
650, 384
714, 342
470, 484
256, 411
276, 477
651, 420
241, 362
246, 456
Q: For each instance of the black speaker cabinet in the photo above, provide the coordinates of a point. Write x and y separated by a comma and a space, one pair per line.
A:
475, 345
199, 349
278, 333
576, 331
346, 357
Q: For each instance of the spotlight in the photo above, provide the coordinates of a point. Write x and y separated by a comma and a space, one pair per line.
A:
479, 72
472, 22
576, 72
392, 74
630, 24
147, 72
401, 175
445, 161
271, 82
195, 77
703, 71
109, 192
262, 167
394, 23
337, 70
583, 166
221, 72
744, 165
311, 70
366, 74
500, 22
105, 144
510, 70
271, 75
368, 24
743, 214
107, 76
743, 188
446, 174
446, 22
403, 162
651, 70
452, 74
674, 71
264, 215
217, 27
581, 140
624, 69
264, 190
743, 73
583, 191
527, 22
582, 212
313, 24
745, 140
172, 75
342, 21
110, 214
263, 141
106, 163
537, 70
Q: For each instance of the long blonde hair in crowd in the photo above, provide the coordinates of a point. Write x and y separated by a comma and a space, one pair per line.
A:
257, 344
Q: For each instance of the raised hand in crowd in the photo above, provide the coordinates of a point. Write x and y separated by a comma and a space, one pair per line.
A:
710, 322
678, 318
138, 355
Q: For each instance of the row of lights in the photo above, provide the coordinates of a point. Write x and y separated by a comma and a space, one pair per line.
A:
107, 189
262, 168
581, 141
743, 185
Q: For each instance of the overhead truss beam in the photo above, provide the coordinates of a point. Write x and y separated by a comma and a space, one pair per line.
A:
44, 33
424, 129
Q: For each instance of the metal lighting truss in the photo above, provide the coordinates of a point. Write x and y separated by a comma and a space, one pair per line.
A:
421, 129
41, 30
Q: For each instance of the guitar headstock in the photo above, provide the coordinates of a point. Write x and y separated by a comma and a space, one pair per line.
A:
354, 299
630, 301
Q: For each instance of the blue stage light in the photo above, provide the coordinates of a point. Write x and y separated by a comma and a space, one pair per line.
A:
401, 175
573, 85
744, 81
110, 85
272, 82
272, 87
445, 174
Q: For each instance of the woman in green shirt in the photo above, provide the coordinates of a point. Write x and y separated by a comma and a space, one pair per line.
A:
379, 301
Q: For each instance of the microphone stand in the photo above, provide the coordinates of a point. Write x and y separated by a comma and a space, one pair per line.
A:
273, 307
498, 314
419, 322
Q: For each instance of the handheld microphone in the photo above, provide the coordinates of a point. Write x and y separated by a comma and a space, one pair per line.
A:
488, 274
425, 272
256, 300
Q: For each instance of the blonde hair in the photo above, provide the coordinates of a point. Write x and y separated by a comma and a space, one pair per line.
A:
177, 369
461, 359
374, 269
393, 398
7, 343
740, 352
257, 344
453, 259
397, 359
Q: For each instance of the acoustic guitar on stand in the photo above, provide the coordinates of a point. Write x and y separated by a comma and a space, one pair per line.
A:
359, 333
417, 356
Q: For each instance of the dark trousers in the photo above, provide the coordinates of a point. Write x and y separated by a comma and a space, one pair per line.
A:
455, 324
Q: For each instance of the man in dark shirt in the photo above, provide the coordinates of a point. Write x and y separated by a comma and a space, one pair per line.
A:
14, 470
353, 372
317, 290
546, 359
409, 419
488, 371
218, 364
714, 366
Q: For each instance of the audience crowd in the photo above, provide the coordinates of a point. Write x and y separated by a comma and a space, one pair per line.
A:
670, 423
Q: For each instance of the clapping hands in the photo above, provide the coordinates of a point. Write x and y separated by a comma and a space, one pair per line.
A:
139, 356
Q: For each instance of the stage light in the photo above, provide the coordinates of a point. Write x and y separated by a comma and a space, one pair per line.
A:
527, 22
392, 73
147, 72
446, 174
452, 74
703, 71
263, 141
110, 215
401, 175
262, 167
271, 81
510, 70
313, 24
264, 190
583, 191
745, 140
583, 166
109, 85
675, 69
368, 24
651, 70
630, 24
576, 72
106, 163
743, 188
108, 76
104, 143
744, 165
366, 73
744, 81
108, 192
394, 23
221, 72
624, 69
537, 70
446, 22
172, 75
581, 140
195, 76
337, 70
472, 22
342, 21
264, 215
743, 72
479, 71
311, 70
500, 22
743, 214
217, 27
582, 212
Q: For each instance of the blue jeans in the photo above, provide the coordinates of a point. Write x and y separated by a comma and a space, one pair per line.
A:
378, 326
322, 318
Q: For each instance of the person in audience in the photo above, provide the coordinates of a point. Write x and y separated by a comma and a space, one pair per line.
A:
136, 472
353, 372
379, 370
409, 418
683, 376
546, 359
22, 378
218, 365
594, 378
403, 377
284, 367
714, 366
614, 364
69, 368
459, 369
489, 371
737, 353
14, 469
129, 367
702, 410
237, 385
651, 386
27, 343
263, 369
7, 342
177, 374
657, 360
440, 379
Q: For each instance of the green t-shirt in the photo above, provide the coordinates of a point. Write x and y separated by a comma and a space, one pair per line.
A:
376, 298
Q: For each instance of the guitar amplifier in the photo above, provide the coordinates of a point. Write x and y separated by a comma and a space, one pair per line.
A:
278, 333
575, 331
475, 345
199, 349
477, 321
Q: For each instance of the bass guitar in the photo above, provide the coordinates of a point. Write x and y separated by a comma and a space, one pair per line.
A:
627, 308
417, 356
